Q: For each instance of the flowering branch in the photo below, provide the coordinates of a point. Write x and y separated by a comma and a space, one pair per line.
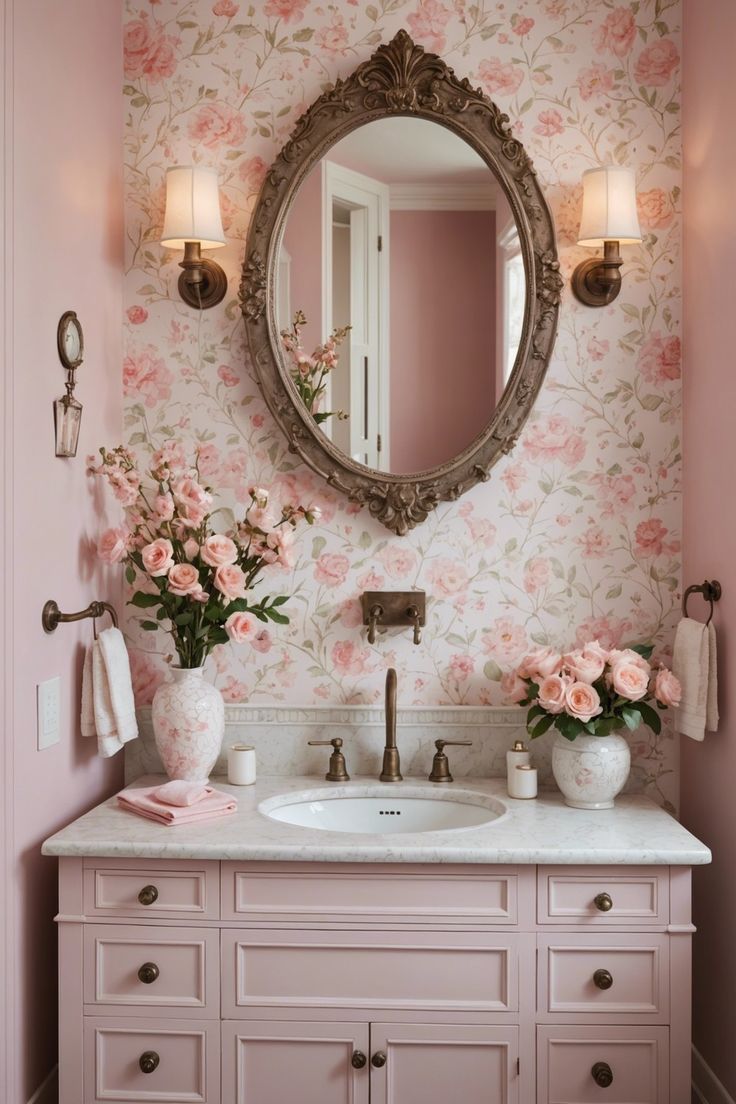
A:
310, 373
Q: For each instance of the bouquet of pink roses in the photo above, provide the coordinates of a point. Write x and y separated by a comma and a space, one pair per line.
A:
594, 690
198, 581
310, 372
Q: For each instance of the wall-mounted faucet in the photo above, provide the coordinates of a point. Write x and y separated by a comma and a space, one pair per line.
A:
391, 771
384, 609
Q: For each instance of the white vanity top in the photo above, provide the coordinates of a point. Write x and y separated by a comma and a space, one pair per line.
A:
543, 831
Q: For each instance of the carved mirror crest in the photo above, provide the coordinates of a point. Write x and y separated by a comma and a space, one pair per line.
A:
403, 216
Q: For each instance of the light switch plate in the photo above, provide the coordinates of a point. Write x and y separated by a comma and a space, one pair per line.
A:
48, 702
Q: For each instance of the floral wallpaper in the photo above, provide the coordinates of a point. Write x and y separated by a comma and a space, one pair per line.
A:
577, 533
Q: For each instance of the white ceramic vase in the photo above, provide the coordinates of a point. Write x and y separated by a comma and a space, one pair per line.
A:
188, 724
591, 770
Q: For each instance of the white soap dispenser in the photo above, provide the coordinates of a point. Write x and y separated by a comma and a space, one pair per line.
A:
518, 756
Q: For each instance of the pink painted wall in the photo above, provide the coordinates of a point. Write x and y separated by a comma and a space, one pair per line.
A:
303, 240
709, 769
443, 282
66, 209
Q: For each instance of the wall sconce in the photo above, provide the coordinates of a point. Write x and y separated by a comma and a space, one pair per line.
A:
193, 222
67, 409
609, 219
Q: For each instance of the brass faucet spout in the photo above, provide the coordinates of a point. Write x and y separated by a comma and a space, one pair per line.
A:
391, 764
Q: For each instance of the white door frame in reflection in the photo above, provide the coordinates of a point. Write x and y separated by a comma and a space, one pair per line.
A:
367, 201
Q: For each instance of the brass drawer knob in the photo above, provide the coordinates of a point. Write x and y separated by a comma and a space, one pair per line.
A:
148, 895
148, 973
148, 1061
602, 1074
359, 1060
603, 902
379, 1059
603, 979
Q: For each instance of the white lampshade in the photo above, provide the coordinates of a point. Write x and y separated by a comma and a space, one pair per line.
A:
609, 207
192, 208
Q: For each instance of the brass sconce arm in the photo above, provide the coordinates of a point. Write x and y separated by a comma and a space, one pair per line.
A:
203, 282
597, 281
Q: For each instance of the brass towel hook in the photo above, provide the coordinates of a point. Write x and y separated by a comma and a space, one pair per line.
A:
52, 616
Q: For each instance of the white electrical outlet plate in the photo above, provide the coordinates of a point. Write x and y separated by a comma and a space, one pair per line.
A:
48, 702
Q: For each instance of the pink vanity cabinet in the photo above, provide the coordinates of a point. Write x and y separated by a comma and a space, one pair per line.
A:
207, 982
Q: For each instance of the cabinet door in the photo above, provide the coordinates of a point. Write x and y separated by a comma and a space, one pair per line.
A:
437, 1063
276, 1062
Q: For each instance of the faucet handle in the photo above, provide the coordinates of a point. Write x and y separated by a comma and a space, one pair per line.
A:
440, 764
337, 771
416, 618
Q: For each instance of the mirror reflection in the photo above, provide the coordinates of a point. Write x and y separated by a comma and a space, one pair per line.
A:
400, 294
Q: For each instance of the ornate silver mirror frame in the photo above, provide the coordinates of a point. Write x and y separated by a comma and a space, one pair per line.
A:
401, 78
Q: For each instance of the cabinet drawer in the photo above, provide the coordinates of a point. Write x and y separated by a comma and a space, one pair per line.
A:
569, 1059
186, 1057
323, 893
148, 967
598, 896
604, 975
154, 888
343, 969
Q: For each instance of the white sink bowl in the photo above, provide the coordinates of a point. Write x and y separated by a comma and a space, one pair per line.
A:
384, 809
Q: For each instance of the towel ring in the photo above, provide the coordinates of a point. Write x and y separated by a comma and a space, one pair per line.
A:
711, 591
52, 616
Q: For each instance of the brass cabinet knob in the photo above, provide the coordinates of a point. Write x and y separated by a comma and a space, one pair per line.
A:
148, 895
603, 979
379, 1059
148, 1061
359, 1060
148, 973
603, 902
602, 1074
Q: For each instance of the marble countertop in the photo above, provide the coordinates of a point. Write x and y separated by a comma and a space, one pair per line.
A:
541, 831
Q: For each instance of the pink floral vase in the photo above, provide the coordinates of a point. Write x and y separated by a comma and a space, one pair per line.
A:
591, 770
188, 724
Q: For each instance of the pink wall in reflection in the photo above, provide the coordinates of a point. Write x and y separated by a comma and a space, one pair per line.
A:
443, 295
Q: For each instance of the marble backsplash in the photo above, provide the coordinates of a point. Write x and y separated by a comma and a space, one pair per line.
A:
280, 734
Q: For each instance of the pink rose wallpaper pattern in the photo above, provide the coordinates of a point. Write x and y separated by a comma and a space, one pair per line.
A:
577, 533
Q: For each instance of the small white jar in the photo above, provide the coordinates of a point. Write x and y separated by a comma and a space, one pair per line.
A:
523, 782
241, 765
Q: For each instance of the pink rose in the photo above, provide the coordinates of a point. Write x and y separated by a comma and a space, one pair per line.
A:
158, 557
540, 664
617, 33
656, 63
584, 665
649, 540
226, 8
280, 544
595, 81
148, 51
227, 375
349, 658
550, 123
450, 577
513, 688
628, 655
252, 172
398, 560
184, 580
218, 550
659, 359
505, 641
655, 208
163, 506
427, 24
667, 689
497, 76
331, 568
262, 641
552, 693
241, 627
146, 376
192, 501
554, 438
112, 546
536, 575
461, 667
521, 25
594, 542
582, 701
288, 10
217, 124
230, 581
191, 548
629, 680
137, 315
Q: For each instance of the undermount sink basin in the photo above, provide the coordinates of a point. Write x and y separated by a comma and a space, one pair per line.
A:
380, 810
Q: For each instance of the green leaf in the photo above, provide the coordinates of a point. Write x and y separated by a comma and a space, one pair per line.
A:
130, 574
644, 650
317, 545
279, 618
149, 626
631, 717
184, 618
570, 727
540, 729
650, 717
280, 600
143, 600
492, 671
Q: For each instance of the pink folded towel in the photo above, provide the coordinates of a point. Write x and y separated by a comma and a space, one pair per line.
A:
180, 792
147, 802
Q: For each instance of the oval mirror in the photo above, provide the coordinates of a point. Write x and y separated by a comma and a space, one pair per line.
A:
401, 285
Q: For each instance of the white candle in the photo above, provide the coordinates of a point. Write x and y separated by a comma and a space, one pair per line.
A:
523, 782
241, 765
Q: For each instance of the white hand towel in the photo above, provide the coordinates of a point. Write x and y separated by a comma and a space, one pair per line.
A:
108, 707
694, 664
